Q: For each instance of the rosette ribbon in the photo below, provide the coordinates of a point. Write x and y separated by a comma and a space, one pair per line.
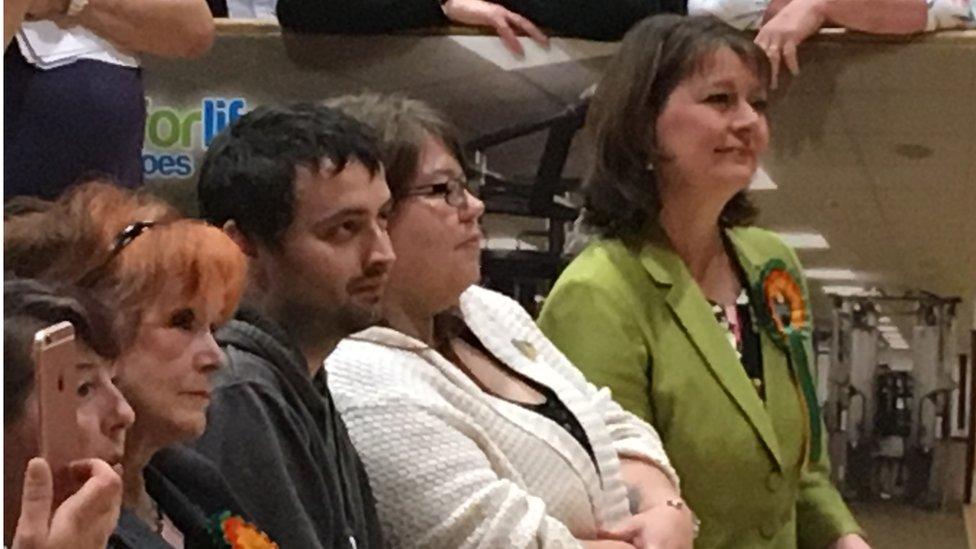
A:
783, 315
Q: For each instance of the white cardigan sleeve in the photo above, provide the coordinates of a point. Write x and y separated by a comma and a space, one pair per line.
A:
436, 487
631, 436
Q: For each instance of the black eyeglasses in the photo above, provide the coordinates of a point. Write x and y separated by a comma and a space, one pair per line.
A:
454, 190
123, 239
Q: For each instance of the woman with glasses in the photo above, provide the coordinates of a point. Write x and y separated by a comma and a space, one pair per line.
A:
172, 281
474, 429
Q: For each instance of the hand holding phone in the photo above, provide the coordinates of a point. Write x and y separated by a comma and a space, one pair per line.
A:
56, 376
85, 520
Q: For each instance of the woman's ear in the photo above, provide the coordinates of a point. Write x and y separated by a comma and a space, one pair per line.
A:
243, 242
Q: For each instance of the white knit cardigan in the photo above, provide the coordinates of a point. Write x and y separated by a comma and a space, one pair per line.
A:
452, 466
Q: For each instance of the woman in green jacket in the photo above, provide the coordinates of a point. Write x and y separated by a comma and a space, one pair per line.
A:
697, 322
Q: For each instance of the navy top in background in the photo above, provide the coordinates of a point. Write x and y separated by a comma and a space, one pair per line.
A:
593, 19
62, 123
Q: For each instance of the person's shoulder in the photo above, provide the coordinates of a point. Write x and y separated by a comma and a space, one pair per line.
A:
376, 348
606, 269
493, 312
759, 237
186, 467
195, 477
243, 369
765, 244
489, 300
249, 354
380, 366
250, 384
605, 262
604, 252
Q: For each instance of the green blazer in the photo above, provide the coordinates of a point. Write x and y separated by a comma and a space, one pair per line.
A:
634, 320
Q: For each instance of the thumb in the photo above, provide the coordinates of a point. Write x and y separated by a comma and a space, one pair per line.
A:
100, 495
35, 506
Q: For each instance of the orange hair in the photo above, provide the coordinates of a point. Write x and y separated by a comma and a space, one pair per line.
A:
205, 263
73, 236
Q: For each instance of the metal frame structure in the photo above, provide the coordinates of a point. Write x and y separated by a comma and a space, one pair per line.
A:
518, 272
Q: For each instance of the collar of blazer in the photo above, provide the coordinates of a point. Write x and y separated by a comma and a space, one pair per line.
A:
696, 318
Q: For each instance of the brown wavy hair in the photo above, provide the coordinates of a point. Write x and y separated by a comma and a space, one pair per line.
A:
621, 193
71, 238
402, 125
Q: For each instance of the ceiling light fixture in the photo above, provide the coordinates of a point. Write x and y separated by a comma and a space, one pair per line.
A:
805, 241
819, 273
846, 291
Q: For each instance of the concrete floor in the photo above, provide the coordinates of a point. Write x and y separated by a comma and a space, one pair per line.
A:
899, 526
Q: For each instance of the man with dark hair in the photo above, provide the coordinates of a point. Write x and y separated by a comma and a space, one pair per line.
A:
302, 191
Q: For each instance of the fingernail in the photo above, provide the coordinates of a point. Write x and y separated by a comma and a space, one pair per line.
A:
35, 468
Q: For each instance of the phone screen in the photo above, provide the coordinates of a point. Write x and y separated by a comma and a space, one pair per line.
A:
56, 374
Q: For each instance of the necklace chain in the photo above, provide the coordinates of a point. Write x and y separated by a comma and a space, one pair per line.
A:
154, 516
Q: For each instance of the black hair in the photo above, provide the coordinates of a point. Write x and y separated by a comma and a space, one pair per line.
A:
29, 306
248, 173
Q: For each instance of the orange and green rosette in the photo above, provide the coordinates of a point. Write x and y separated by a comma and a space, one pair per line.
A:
232, 532
783, 314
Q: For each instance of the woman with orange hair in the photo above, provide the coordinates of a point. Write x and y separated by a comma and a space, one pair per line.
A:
172, 280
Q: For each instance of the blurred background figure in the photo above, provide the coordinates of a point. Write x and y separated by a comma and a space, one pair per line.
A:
73, 92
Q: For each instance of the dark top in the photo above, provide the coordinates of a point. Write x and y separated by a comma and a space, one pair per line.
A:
278, 439
218, 8
552, 408
60, 124
189, 490
594, 19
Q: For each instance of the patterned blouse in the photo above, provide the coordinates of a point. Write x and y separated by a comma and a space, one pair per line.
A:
736, 320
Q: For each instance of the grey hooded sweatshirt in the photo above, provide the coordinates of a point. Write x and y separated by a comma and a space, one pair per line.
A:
276, 436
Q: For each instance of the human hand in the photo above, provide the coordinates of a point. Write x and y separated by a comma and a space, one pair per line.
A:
85, 520
46, 9
663, 526
14, 13
850, 541
780, 36
605, 544
507, 24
